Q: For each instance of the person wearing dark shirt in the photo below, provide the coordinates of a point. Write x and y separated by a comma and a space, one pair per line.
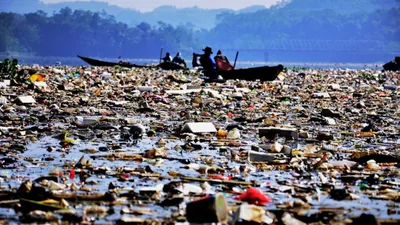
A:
207, 61
178, 59
167, 58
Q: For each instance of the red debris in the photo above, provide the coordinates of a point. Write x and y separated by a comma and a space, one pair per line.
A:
254, 196
72, 174
220, 177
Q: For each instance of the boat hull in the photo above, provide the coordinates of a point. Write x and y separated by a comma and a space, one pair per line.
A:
264, 73
95, 62
163, 66
393, 65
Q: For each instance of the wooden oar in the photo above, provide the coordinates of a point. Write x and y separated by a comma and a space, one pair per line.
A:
161, 54
237, 54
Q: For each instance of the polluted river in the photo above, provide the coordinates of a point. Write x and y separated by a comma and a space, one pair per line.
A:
98, 145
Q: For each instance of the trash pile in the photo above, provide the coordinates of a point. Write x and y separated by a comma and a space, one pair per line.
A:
140, 146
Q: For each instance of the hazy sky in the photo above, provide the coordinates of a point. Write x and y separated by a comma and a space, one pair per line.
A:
148, 5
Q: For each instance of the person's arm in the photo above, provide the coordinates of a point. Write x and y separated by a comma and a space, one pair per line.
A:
213, 62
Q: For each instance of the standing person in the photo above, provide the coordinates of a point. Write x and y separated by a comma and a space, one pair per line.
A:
178, 59
207, 62
167, 58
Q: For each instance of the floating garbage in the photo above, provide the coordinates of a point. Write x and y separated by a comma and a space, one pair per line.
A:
253, 214
209, 209
25, 100
254, 196
199, 128
142, 145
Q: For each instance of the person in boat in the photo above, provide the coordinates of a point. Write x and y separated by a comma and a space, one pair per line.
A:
167, 58
178, 59
207, 62
222, 62
121, 61
221, 57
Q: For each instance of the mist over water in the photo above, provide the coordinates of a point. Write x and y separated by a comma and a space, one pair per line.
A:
74, 61
304, 31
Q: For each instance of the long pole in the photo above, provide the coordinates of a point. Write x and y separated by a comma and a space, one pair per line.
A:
161, 54
234, 64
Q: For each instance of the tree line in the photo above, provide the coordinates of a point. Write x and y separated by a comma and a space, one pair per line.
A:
68, 32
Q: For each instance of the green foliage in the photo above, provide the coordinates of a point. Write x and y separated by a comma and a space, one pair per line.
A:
257, 29
9, 70
70, 32
67, 33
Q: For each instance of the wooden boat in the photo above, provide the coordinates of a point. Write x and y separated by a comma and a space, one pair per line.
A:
96, 62
228, 72
393, 65
164, 65
263, 73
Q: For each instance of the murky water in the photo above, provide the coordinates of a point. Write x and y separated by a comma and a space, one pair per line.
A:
269, 180
75, 61
295, 190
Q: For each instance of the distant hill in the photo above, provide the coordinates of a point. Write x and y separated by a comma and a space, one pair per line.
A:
293, 30
197, 17
342, 6
252, 9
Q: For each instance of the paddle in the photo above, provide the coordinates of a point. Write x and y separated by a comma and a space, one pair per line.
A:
234, 64
161, 54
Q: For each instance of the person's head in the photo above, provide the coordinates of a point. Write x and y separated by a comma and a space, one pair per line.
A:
178, 54
219, 52
167, 54
208, 50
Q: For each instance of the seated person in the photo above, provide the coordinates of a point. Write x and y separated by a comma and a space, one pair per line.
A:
222, 62
178, 59
121, 61
206, 61
167, 58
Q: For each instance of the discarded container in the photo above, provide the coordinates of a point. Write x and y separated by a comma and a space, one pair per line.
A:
320, 95
272, 132
276, 147
210, 209
233, 134
145, 88
3, 100
222, 133
86, 121
202, 127
26, 100
390, 87
259, 157
40, 84
250, 214
330, 121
